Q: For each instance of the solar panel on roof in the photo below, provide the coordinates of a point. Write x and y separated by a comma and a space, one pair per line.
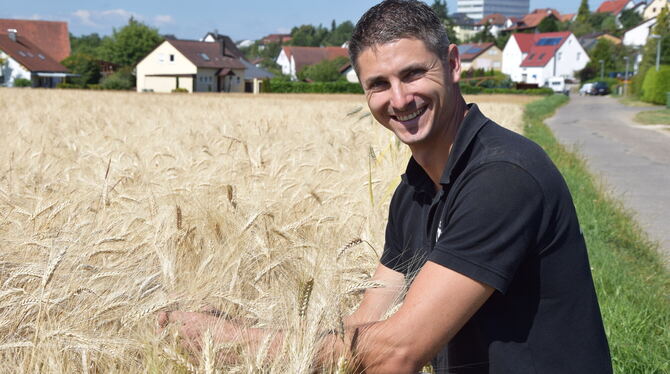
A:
474, 50
548, 41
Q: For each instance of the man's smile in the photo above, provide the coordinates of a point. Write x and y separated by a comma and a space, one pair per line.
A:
410, 116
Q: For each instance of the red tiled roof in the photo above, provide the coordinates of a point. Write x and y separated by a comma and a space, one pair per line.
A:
49, 36
276, 38
470, 51
566, 17
539, 55
492, 19
533, 19
305, 56
525, 41
29, 55
205, 54
613, 6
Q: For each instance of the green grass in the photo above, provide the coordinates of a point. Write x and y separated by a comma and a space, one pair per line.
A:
632, 285
634, 101
653, 117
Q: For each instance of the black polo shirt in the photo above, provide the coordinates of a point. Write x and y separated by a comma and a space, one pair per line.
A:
504, 217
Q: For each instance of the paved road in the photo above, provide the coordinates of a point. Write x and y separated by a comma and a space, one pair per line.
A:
634, 160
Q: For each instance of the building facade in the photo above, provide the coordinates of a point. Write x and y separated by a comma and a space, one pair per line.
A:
477, 9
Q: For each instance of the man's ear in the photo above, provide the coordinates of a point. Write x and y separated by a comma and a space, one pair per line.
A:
454, 61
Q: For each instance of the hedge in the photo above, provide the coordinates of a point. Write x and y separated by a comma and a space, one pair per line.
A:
656, 84
473, 90
279, 86
22, 82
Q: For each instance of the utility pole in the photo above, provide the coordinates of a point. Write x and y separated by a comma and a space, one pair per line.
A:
602, 69
658, 49
625, 77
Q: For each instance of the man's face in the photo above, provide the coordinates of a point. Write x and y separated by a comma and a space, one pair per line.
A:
408, 88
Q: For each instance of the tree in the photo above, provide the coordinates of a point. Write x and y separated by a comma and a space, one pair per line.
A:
548, 24
485, 35
340, 34
583, 13
609, 24
630, 18
308, 36
440, 8
126, 47
324, 71
662, 29
85, 44
86, 66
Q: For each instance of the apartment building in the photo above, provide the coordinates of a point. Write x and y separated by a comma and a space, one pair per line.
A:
477, 9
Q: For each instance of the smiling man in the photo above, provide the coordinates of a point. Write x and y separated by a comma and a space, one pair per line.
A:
482, 224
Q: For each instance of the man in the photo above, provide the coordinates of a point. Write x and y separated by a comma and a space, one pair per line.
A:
482, 221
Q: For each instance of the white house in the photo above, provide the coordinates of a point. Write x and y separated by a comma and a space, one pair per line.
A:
192, 65
638, 35
534, 58
294, 59
654, 8
21, 59
496, 23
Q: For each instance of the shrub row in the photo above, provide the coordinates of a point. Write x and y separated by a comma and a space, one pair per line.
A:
655, 85
473, 90
279, 86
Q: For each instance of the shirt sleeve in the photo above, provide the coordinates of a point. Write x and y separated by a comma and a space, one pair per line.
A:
392, 257
492, 226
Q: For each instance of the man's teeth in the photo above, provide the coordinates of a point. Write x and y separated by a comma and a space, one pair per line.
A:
411, 115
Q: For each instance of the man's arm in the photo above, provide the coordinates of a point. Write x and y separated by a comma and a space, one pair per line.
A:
377, 301
439, 302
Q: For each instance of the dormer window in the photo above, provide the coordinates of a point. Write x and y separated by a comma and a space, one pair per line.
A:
204, 56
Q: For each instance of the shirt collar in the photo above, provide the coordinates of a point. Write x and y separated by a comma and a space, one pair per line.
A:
416, 177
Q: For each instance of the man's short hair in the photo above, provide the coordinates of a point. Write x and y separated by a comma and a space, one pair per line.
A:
393, 20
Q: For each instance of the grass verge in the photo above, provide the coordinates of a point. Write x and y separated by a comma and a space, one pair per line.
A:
634, 101
632, 284
653, 117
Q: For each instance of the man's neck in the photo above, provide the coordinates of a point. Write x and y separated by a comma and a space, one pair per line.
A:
433, 157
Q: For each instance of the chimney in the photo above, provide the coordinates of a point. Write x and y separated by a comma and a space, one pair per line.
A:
12, 34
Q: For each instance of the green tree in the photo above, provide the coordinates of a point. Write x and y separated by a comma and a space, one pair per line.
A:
583, 13
324, 71
629, 18
609, 25
308, 35
440, 8
661, 29
485, 35
130, 44
548, 24
86, 66
85, 44
340, 34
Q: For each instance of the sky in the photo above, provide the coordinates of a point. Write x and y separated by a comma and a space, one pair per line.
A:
246, 19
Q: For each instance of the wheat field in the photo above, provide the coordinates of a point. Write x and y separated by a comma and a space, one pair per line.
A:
116, 205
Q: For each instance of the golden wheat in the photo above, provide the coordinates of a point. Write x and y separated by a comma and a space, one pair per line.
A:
116, 205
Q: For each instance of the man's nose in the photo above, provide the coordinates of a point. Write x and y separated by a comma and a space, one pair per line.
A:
400, 97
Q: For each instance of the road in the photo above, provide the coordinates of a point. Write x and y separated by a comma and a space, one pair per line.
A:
633, 160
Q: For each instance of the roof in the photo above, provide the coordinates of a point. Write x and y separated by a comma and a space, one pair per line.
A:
50, 37
543, 47
254, 71
205, 54
305, 56
230, 49
462, 19
567, 17
493, 19
29, 55
533, 19
612, 6
276, 38
471, 51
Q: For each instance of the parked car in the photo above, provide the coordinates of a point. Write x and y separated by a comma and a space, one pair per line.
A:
586, 89
600, 88
557, 84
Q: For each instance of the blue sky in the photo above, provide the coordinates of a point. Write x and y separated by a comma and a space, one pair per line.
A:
247, 19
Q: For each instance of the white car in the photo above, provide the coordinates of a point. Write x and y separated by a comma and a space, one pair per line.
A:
586, 89
557, 84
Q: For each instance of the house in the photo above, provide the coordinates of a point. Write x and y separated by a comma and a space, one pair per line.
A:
194, 65
480, 56
496, 22
23, 59
534, 58
275, 38
254, 75
589, 41
464, 26
654, 8
51, 37
637, 36
530, 21
615, 7
293, 59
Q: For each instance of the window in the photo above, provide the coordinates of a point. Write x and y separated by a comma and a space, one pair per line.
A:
204, 56
22, 53
579, 54
161, 57
171, 58
559, 55
541, 56
41, 56
532, 55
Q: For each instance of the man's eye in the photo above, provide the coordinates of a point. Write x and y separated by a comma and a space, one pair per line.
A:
416, 73
376, 86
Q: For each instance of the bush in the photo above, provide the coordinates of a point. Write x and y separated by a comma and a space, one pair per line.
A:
474, 90
655, 85
22, 82
65, 85
121, 80
281, 86
179, 90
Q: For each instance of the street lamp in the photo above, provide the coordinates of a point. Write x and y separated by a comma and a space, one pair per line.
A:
602, 69
658, 49
625, 77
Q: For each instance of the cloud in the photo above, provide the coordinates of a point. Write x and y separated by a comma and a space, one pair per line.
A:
162, 19
104, 18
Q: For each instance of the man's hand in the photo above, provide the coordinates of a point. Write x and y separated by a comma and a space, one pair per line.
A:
192, 325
